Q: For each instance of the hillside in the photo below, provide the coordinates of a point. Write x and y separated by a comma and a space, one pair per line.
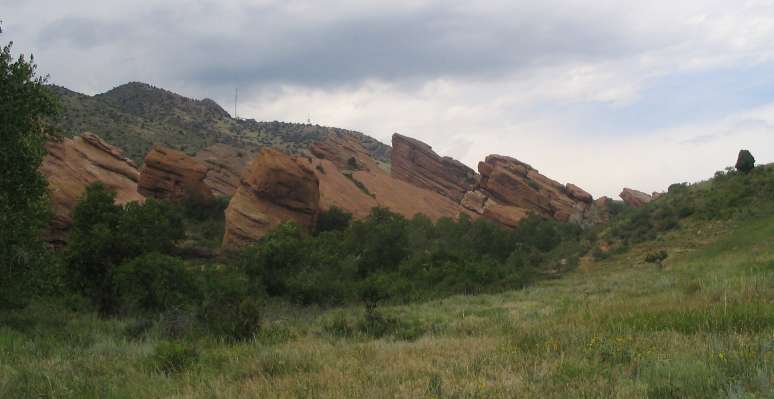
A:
700, 324
134, 116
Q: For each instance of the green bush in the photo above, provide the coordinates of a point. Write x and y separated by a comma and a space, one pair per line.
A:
228, 310
656, 257
173, 357
333, 219
105, 235
154, 283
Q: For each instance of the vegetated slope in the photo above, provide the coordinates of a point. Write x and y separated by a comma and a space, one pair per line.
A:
700, 325
134, 116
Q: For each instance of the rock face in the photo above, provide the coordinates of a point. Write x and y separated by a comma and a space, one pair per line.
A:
73, 164
415, 162
635, 198
359, 188
514, 183
224, 166
273, 188
173, 175
344, 151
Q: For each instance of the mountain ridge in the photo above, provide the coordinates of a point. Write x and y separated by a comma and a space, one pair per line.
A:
135, 116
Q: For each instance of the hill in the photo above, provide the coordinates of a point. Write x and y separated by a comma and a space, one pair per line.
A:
698, 324
134, 116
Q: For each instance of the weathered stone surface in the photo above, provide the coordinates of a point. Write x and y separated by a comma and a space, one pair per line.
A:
635, 198
344, 151
383, 190
578, 193
415, 162
173, 175
474, 201
273, 188
656, 195
514, 183
509, 216
224, 166
73, 164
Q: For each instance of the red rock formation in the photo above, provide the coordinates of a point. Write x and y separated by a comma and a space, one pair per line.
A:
358, 191
344, 151
474, 201
415, 162
515, 183
273, 188
509, 216
578, 193
224, 166
173, 175
635, 198
73, 164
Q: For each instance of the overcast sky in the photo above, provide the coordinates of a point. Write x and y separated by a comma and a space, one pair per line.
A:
604, 94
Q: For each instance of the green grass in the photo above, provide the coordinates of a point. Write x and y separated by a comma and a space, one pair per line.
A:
699, 326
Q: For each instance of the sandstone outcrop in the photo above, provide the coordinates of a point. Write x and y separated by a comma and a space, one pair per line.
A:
273, 188
73, 164
344, 151
358, 190
514, 183
474, 201
635, 198
172, 175
224, 167
415, 162
509, 216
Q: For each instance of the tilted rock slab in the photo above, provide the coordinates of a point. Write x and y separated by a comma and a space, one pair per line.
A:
273, 188
415, 162
224, 167
635, 198
73, 164
173, 175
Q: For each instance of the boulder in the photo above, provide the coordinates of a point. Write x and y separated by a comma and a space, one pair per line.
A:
224, 166
635, 198
172, 175
273, 188
415, 162
72, 164
474, 201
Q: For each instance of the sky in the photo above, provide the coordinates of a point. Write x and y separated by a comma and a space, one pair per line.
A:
605, 94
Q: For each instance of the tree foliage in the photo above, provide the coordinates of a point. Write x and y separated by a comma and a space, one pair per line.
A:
105, 234
24, 103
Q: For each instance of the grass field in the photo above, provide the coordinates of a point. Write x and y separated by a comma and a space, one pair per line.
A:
699, 326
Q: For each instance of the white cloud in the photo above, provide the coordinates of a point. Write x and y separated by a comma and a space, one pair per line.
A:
521, 78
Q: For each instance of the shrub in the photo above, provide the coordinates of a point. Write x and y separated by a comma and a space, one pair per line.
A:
333, 219
105, 235
173, 357
656, 257
154, 283
227, 310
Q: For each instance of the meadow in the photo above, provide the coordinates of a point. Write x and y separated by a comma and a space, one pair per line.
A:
701, 325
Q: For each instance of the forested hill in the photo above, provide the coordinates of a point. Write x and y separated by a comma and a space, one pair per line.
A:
134, 116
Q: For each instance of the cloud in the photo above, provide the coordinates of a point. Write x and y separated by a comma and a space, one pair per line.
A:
600, 93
